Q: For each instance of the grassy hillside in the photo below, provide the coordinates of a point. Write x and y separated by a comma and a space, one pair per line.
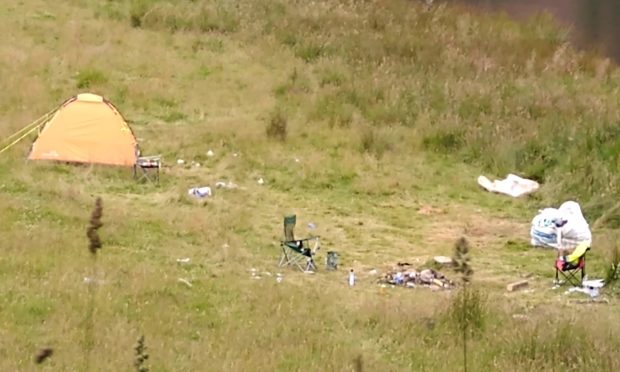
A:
371, 119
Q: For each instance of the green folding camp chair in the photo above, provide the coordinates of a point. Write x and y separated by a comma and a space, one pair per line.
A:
295, 251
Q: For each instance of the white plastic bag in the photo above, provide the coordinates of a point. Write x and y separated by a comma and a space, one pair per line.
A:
512, 185
567, 220
200, 192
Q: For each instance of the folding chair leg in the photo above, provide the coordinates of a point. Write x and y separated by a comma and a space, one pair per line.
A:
310, 266
284, 260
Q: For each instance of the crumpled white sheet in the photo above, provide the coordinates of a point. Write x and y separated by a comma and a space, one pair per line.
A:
512, 185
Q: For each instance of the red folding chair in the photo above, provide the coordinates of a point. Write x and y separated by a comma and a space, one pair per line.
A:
573, 265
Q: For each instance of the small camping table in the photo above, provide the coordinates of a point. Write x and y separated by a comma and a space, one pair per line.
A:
147, 168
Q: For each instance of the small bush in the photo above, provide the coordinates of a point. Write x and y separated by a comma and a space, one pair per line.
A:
182, 17
373, 142
90, 77
613, 266
310, 51
467, 310
443, 141
277, 125
137, 11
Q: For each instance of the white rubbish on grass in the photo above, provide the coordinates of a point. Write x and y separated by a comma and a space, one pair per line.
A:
590, 287
183, 260
279, 278
186, 282
180, 161
226, 185
210, 153
261, 181
567, 221
200, 192
592, 292
351, 278
512, 185
593, 283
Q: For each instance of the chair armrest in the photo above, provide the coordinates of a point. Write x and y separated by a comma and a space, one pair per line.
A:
300, 240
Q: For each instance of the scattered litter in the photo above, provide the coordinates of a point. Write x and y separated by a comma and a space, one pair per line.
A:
311, 226
373, 272
183, 260
428, 210
351, 278
225, 185
195, 164
520, 316
279, 278
254, 274
235, 155
210, 153
266, 273
89, 280
402, 276
180, 161
592, 292
591, 301
296, 160
593, 283
517, 285
567, 220
331, 260
443, 260
261, 181
186, 282
590, 287
512, 185
200, 192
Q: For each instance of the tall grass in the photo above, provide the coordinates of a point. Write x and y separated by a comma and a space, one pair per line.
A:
522, 101
94, 245
371, 91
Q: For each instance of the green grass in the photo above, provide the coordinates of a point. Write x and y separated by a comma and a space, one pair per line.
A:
370, 119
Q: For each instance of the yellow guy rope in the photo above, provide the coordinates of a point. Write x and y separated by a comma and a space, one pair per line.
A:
38, 121
17, 140
28, 128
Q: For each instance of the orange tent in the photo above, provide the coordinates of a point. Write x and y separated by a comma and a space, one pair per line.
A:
86, 129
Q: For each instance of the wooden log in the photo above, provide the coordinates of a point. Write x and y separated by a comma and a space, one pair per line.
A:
517, 285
